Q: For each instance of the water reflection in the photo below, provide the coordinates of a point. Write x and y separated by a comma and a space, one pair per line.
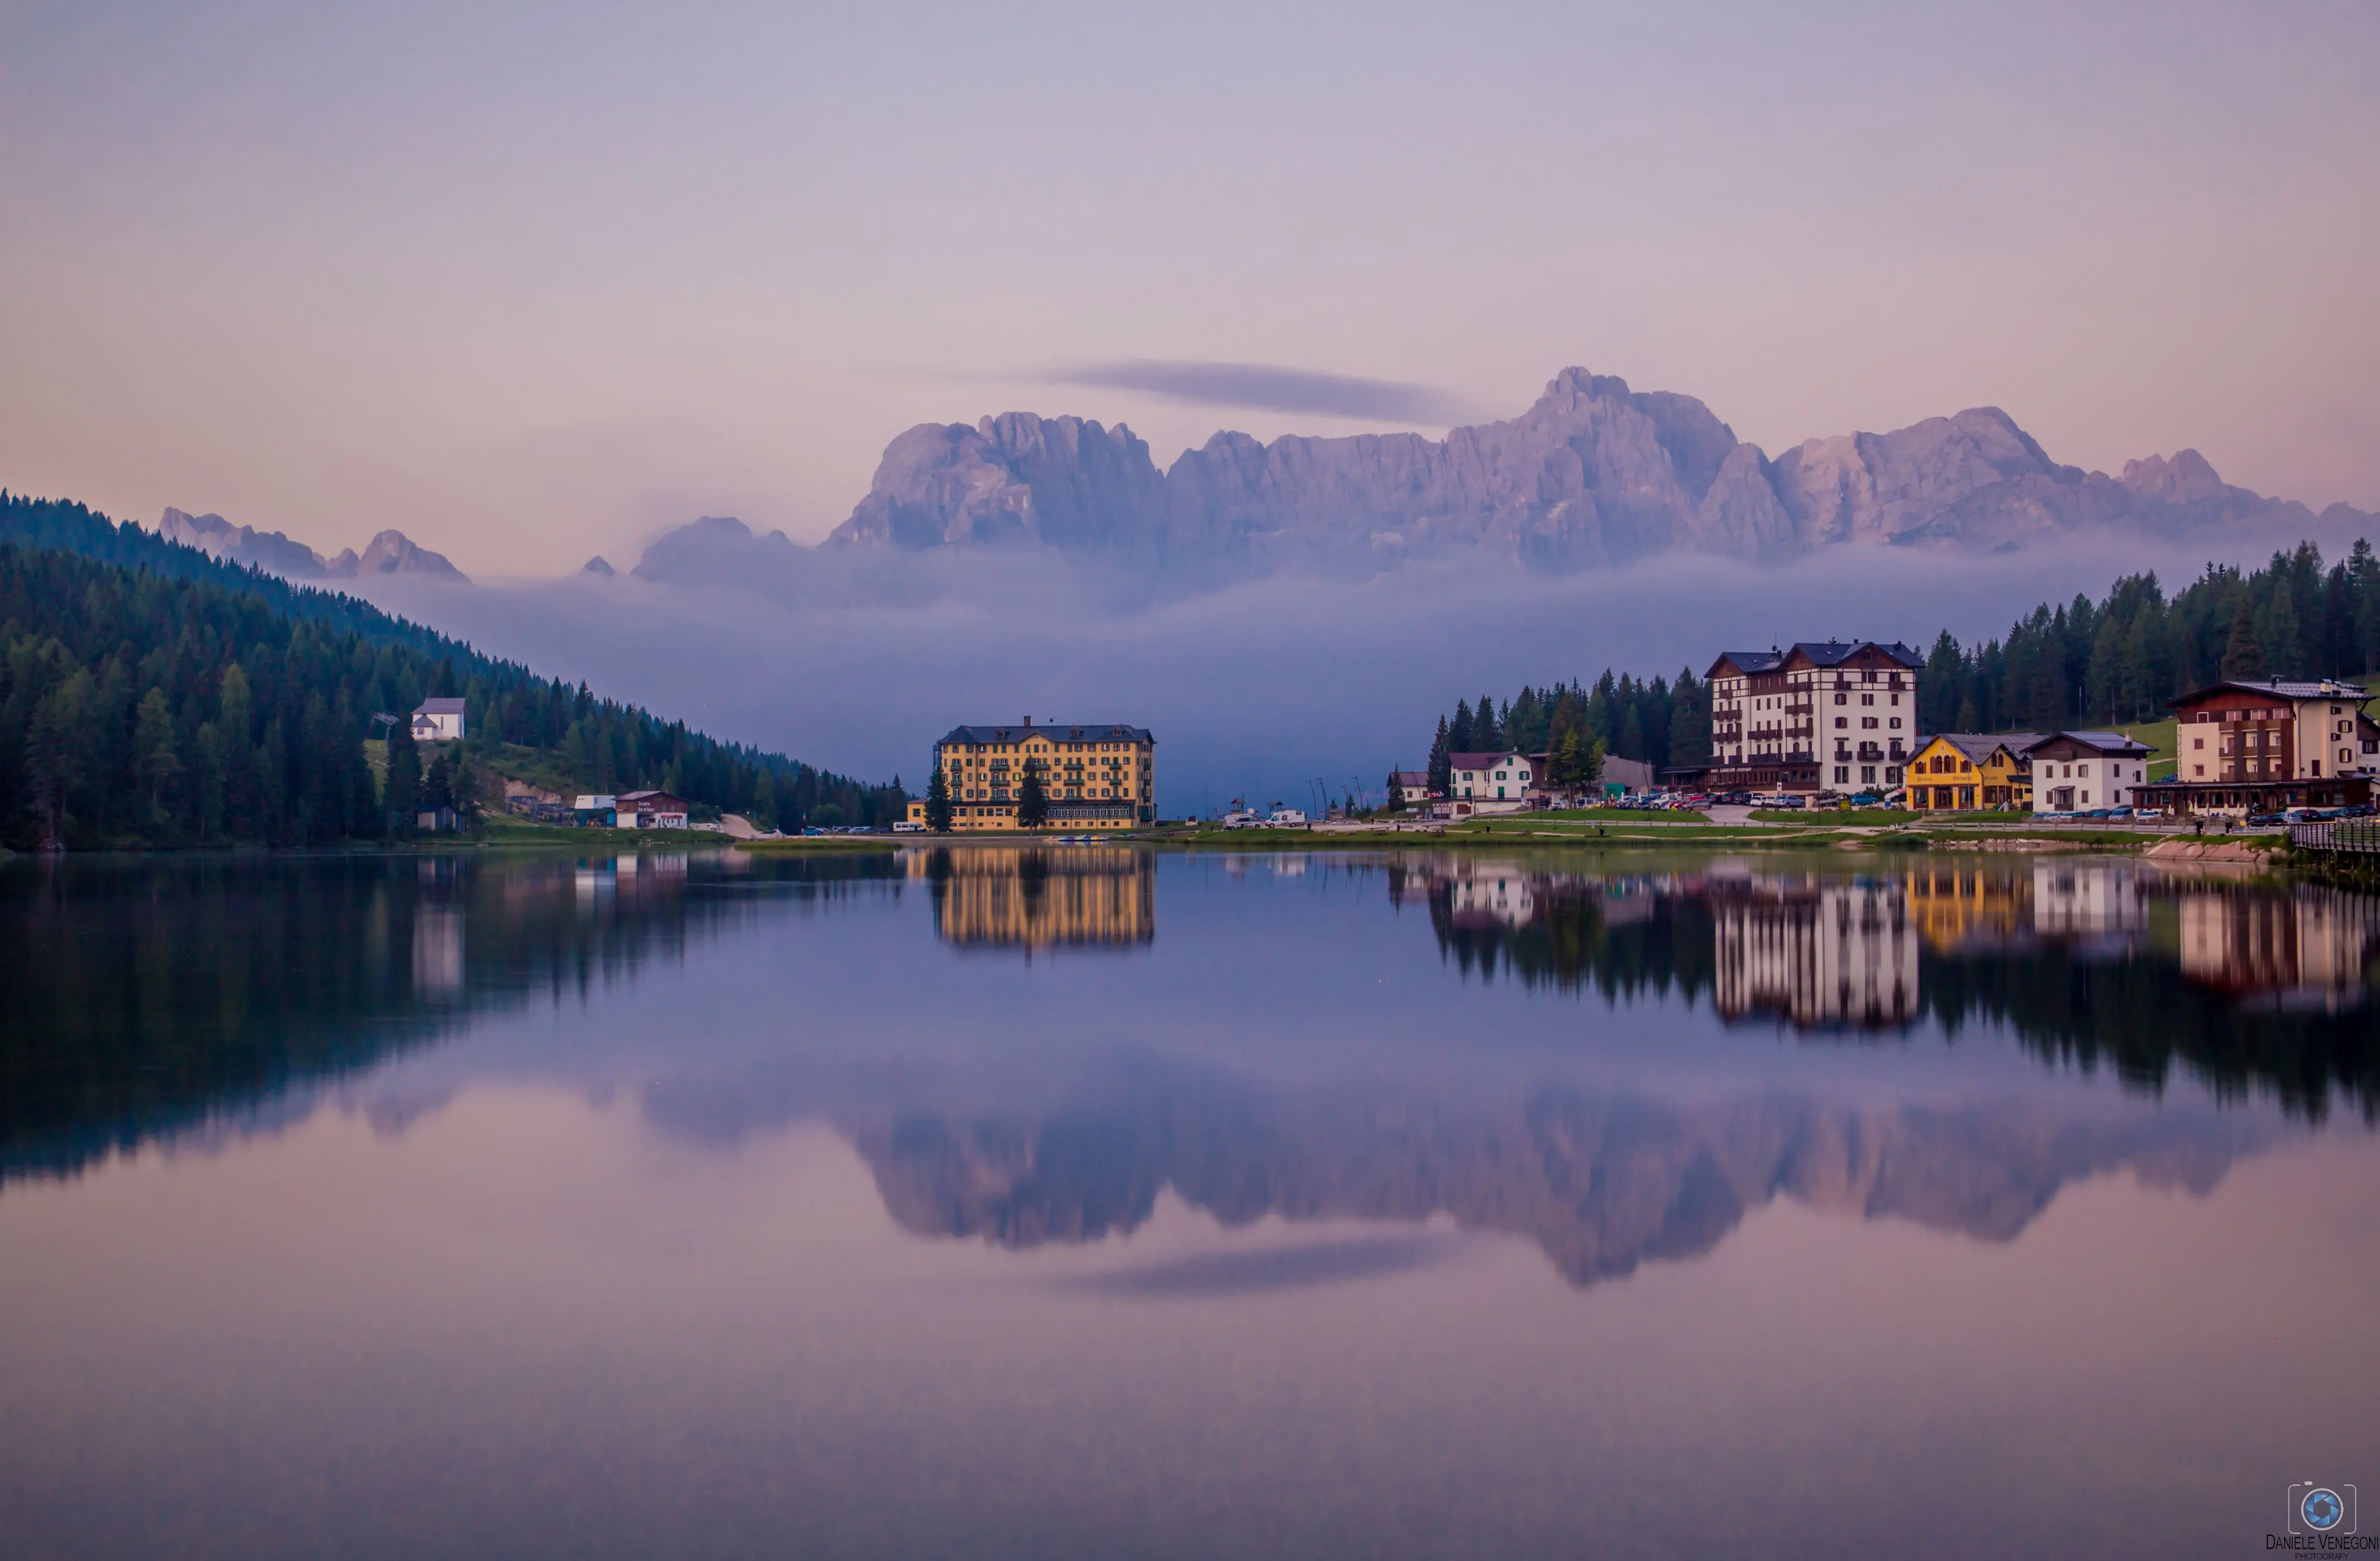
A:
1033, 897
146, 997
2311, 949
149, 997
1820, 954
1600, 1183
1829, 1180
2092, 962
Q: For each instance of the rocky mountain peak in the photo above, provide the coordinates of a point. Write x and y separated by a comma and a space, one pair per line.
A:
1593, 473
390, 552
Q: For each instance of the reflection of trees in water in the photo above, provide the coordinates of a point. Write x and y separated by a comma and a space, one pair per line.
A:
1600, 1182
2260, 988
144, 997
1656, 944
2136, 1017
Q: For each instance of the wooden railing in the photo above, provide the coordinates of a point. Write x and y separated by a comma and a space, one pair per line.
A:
2359, 837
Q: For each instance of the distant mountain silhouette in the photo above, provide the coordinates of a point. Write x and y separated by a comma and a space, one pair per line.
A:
390, 552
1594, 473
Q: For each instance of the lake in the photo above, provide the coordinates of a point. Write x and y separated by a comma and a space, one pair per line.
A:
1090, 1201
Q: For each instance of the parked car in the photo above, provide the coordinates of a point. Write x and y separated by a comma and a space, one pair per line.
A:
2264, 819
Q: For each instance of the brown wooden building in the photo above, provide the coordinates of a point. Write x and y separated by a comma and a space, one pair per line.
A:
2259, 747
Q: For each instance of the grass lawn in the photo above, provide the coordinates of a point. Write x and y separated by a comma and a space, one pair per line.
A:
1837, 817
1613, 815
2159, 735
540, 768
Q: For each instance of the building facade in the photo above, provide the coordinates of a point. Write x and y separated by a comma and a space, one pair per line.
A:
1970, 772
1821, 715
2077, 771
2245, 748
1476, 778
438, 720
1095, 777
655, 810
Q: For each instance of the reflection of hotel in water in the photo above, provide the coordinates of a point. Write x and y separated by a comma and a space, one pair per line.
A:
2308, 949
1033, 897
1822, 954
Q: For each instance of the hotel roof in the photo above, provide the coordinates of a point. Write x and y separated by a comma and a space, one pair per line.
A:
2104, 742
1978, 746
1056, 732
2273, 688
1819, 653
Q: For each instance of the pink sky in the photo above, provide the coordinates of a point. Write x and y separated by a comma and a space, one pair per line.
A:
539, 285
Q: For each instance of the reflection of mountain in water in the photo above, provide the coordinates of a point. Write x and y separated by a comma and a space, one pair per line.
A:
144, 998
2088, 961
1600, 1183
1033, 897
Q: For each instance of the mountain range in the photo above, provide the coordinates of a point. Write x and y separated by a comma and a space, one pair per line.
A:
390, 552
1593, 475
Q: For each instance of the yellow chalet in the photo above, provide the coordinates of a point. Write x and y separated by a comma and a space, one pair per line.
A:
1966, 772
1095, 777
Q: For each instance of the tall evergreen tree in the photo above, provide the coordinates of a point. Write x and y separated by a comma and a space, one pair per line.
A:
2244, 654
1032, 799
938, 809
402, 800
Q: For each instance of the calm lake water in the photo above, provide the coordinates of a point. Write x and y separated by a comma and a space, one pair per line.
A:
1083, 1201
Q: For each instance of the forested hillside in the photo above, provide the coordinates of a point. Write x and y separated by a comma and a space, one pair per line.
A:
2122, 657
2114, 660
150, 695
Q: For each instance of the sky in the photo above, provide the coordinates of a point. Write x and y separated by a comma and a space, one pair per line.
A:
533, 283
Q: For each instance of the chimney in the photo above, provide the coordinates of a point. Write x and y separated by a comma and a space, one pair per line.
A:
1029, 720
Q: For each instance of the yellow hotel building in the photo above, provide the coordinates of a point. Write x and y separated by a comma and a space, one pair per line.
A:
1095, 776
1963, 772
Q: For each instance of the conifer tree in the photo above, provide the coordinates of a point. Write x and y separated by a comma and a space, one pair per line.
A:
937, 801
2243, 655
1441, 768
403, 798
160, 757
1032, 799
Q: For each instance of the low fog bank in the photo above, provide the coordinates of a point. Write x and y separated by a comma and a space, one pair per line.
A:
1254, 691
